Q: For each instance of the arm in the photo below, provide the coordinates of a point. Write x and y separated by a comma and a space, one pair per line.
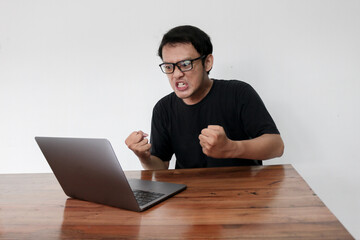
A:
215, 143
154, 163
140, 145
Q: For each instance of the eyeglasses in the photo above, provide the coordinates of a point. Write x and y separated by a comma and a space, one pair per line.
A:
184, 65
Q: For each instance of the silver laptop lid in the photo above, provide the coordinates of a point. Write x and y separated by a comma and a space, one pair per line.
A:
88, 169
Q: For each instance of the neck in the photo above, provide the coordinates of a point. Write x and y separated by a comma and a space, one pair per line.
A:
201, 94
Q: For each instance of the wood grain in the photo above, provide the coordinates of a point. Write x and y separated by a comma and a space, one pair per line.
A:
262, 202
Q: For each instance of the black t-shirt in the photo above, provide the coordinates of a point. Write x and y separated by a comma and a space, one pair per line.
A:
232, 104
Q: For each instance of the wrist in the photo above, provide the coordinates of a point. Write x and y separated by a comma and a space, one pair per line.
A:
236, 149
145, 160
146, 163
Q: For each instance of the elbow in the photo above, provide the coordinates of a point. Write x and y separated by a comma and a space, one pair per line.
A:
280, 149
277, 148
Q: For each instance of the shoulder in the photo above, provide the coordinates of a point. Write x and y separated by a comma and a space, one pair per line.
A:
167, 99
165, 102
230, 83
232, 86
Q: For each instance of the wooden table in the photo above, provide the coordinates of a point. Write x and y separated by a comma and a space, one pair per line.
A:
271, 202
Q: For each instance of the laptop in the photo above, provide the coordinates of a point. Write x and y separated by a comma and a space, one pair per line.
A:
87, 169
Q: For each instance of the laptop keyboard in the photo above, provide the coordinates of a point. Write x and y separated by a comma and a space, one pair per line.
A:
144, 197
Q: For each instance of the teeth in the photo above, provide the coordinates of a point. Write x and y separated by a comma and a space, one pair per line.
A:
181, 85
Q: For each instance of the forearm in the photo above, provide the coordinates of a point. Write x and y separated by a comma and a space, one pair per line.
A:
153, 163
265, 147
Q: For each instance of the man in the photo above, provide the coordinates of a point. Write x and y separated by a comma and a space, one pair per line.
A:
205, 122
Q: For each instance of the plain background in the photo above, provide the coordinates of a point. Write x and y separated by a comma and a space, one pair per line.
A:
89, 69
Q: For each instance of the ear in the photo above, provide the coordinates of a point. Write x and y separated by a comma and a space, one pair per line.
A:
209, 61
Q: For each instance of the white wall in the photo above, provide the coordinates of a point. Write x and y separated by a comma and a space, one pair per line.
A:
89, 69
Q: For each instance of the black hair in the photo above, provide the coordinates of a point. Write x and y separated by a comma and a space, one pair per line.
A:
188, 34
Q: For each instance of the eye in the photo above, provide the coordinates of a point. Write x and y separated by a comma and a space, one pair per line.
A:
185, 63
167, 66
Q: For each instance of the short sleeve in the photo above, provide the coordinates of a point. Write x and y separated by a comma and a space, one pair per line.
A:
254, 115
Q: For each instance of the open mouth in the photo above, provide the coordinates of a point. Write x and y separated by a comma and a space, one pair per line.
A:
181, 85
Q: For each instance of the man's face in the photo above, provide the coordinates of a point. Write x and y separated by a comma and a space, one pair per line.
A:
191, 86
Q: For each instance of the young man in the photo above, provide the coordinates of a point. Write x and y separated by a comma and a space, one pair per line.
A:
204, 122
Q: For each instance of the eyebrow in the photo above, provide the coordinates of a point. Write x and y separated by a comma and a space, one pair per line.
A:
179, 61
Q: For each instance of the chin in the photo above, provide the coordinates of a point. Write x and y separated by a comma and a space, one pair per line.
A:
181, 95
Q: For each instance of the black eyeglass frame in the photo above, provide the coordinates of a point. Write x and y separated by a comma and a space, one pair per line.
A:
176, 64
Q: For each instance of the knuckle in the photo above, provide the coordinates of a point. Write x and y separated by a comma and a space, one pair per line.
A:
211, 142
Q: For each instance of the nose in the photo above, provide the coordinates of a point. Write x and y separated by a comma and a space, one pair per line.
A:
177, 73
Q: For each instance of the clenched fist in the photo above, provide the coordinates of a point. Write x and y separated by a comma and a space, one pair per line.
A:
139, 144
215, 143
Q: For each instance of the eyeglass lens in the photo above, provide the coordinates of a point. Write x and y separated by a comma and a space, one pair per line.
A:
183, 66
